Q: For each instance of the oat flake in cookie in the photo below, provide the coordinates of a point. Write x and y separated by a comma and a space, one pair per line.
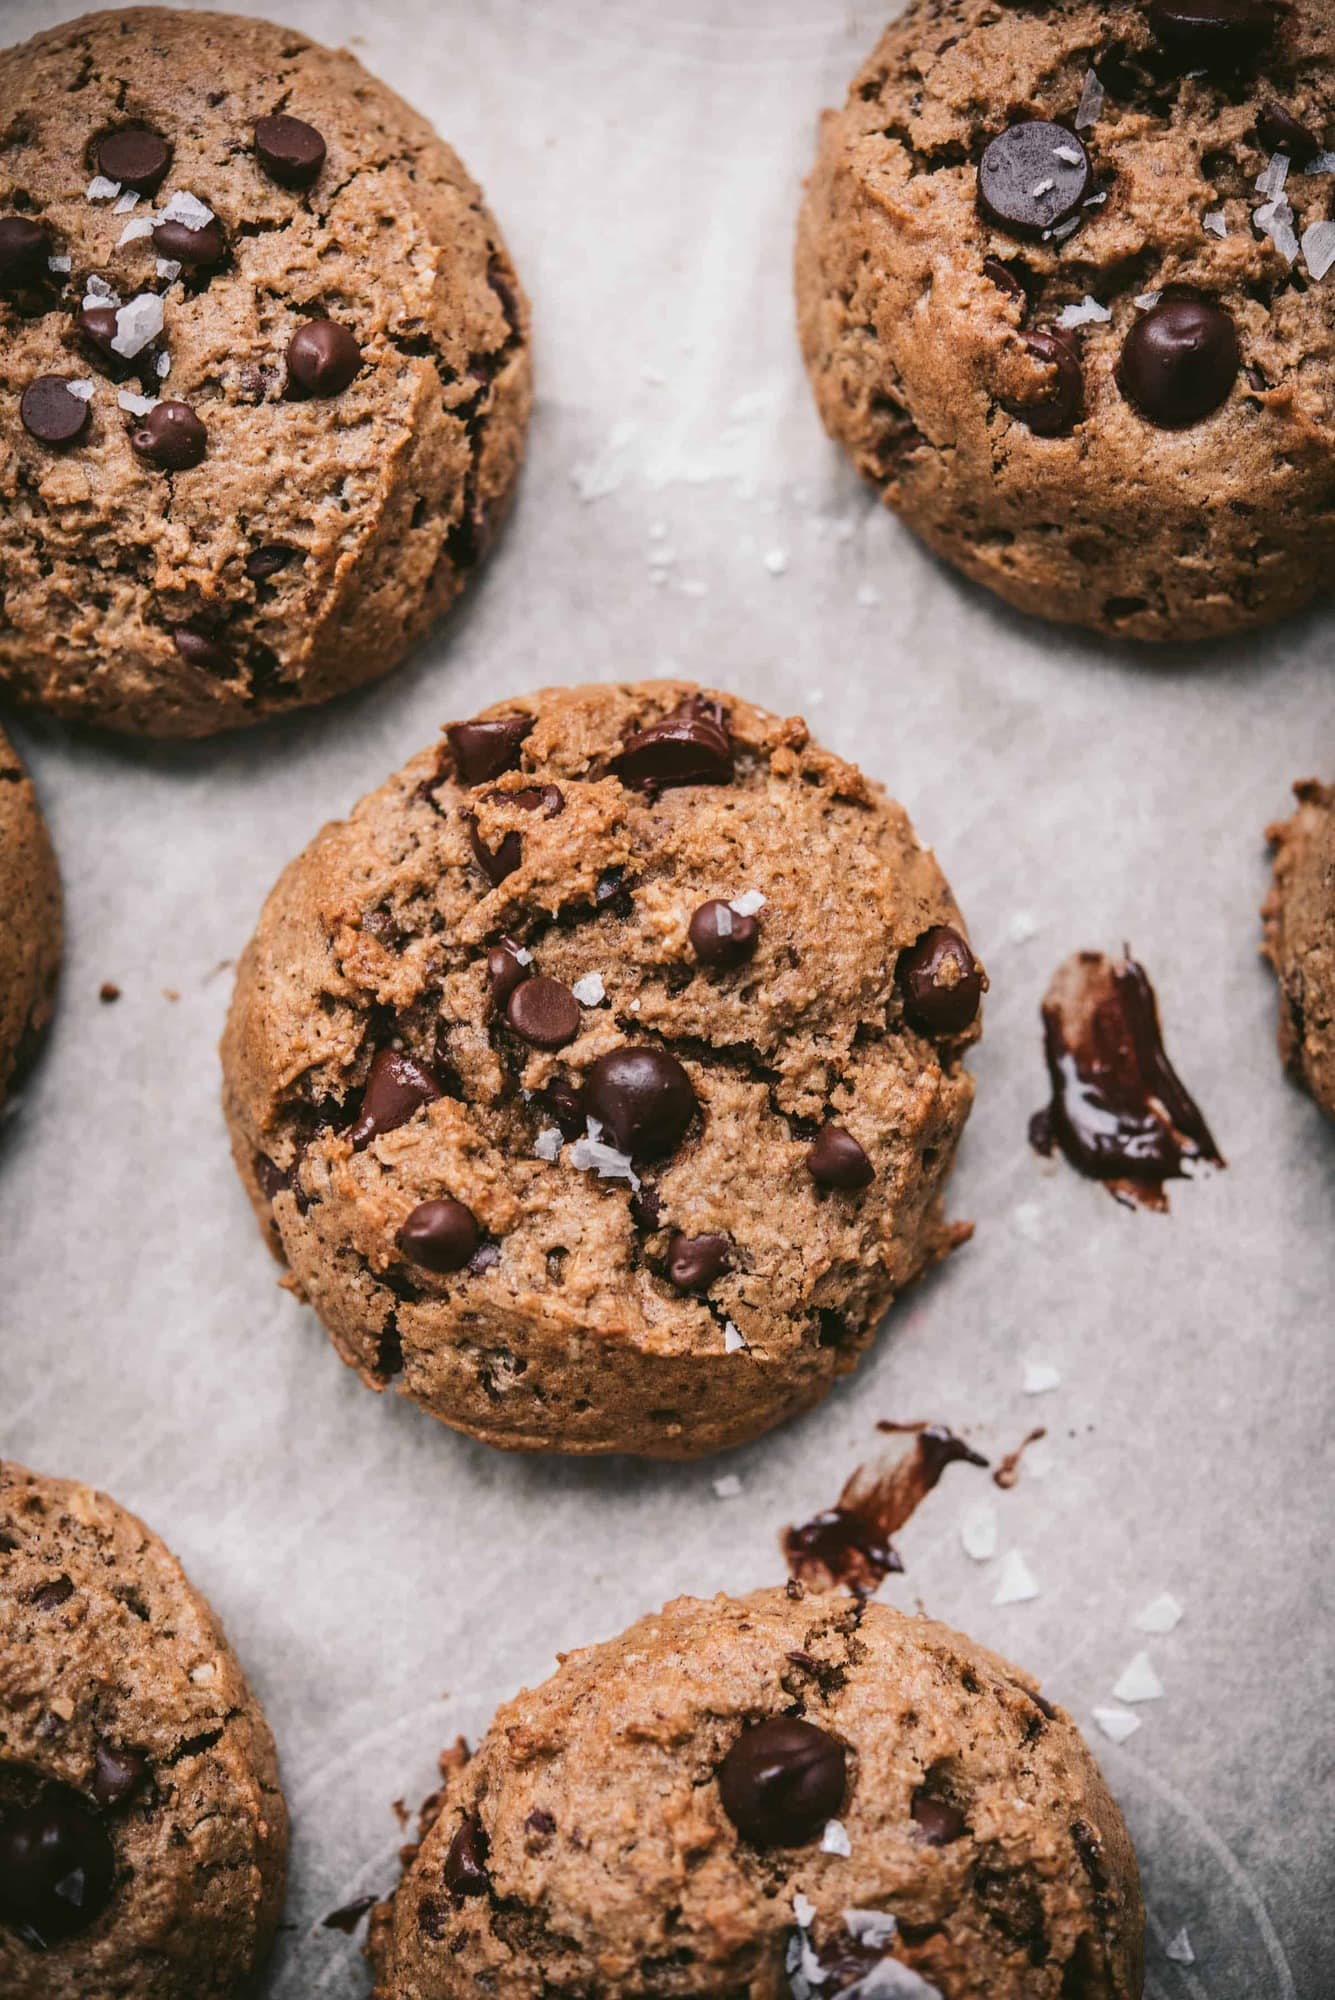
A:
30, 919
771, 1799
1066, 288
264, 372
143, 1835
1300, 939
570, 1164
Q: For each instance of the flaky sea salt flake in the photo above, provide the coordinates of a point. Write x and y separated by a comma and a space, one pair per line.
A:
137, 323
776, 562
1160, 1615
187, 209
1016, 1584
547, 1145
748, 903
100, 188
138, 406
1042, 187
1138, 1681
891, 1980
1271, 180
589, 990
1275, 220
83, 388
1147, 300
732, 1340
1321, 163
804, 1911
1072, 157
978, 1532
97, 292
164, 367
835, 1839
1179, 1949
729, 1487
1116, 1723
1088, 310
1215, 221
1319, 249
126, 203
875, 1928
59, 264
169, 269
1091, 103
142, 225
592, 1153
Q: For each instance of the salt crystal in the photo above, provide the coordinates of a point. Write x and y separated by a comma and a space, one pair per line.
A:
1022, 926
164, 367
693, 588
891, 1980
835, 1839
1081, 315
1275, 220
1069, 154
870, 1927
1321, 163
83, 389
523, 957
1319, 249
1042, 187
732, 1340
978, 1532
169, 269
803, 1911
776, 562
1271, 181
590, 989
1116, 1723
1062, 230
97, 292
729, 1487
61, 264
1215, 221
141, 226
188, 209
1039, 1377
1179, 1949
137, 324
547, 1145
1147, 300
126, 203
1095, 200
138, 406
204, 1674
1139, 1682
748, 903
1091, 103
1161, 1614
100, 188
593, 1153
1016, 1584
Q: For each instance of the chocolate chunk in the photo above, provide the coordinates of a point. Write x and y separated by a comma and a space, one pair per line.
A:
51, 412
136, 157
782, 1780
695, 1261
564, 1099
941, 981
719, 937
1058, 398
98, 328
57, 1869
290, 151
322, 359
265, 562
117, 1774
505, 971
465, 1862
50, 1596
643, 1098
540, 1823
200, 249
1213, 34
543, 1012
24, 249
1005, 279
835, 1160
271, 1178
689, 748
482, 750
200, 649
498, 862
937, 1820
171, 436
439, 1235
1033, 176
396, 1087
646, 1207
1280, 132
1179, 361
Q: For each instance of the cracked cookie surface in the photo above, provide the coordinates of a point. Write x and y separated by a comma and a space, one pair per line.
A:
1299, 921
617, 1834
143, 1834
30, 935
599, 1078
329, 492
1089, 365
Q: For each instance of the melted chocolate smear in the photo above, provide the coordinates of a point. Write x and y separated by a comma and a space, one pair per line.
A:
1119, 1112
850, 1545
1008, 1472
351, 1914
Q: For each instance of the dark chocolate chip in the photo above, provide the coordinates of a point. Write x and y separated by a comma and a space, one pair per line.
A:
540, 1823
719, 937
646, 1206
171, 436
396, 1086
24, 249
1033, 176
782, 1780
97, 325
1058, 397
1179, 361
482, 750
265, 562
200, 248
498, 862
439, 1235
290, 151
543, 1012
505, 971
1213, 34
57, 1869
835, 1160
683, 749
643, 1098
50, 1596
937, 1820
201, 649
564, 1099
322, 358
941, 982
1280, 132
51, 412
271, 1178
1004, 278
695, 1261
136, 157
465, 1862
117, 1773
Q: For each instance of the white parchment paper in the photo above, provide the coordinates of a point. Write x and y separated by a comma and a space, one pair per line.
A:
386, 1582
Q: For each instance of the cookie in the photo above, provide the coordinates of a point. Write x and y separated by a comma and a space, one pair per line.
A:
765, 1796
143, 1835
599, 1078
1299, 919
30, 934
264, 373
1062, 297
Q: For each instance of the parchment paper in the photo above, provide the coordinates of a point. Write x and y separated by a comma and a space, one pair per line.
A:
387, 1583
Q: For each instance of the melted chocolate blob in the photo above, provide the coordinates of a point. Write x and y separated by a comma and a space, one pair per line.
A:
850, 1544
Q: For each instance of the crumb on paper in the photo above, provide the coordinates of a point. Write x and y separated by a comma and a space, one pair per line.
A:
108, 993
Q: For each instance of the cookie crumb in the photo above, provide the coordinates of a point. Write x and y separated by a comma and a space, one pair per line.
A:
108, 992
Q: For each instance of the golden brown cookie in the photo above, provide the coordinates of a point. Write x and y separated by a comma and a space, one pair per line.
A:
1299, 920
143, 1834
30, 919
264, 372
1049, 311
600, 1077
765, 1797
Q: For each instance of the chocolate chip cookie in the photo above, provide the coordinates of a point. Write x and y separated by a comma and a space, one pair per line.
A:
143, 1835
1063, 296
767, 1796
264, 372
30, 924
599, 1078
1299, 921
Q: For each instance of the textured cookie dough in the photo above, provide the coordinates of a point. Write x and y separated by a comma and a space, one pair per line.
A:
390, 1111
143, 1835
591, 1846
943, 349
1300, 939
320, 534
30, 924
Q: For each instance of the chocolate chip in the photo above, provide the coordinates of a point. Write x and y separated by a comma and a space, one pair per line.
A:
719, 937
24, 249
540, 1823
396, 1086
1059, 391
482, 750
200, 649
171, 436
50, 1596
136, 157
290, 151
937, 1820
51, 412
1279, 132
1033, 176
835, 1160
265, 562
322, 358
117, 1774
1004, 278
644, 1099
1213, 34
439, 1235
941, 982
498, 862
270, 1177
1179, 361
695, 1261
505, 971
564, 1099
465, 1862
646, 1206
543, 1012
689, 748
782, 1780
198, 248
57, 1869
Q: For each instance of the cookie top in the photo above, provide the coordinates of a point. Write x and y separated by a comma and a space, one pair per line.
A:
263, 377
1299, 920
1063, 295
766, 1795
599, 1078
30, 935
143, 1836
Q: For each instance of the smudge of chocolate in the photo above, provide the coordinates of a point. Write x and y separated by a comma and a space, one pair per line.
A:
1119, 1111
1008, 1471
351, 1914
850, 1544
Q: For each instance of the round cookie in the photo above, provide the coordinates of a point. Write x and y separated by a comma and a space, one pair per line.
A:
1040, 309
299, 366
599, 1078
1299, 920
143, 1835
653, 1820
30, 936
